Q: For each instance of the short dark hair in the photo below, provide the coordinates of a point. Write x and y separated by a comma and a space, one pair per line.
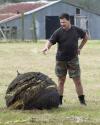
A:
64, 15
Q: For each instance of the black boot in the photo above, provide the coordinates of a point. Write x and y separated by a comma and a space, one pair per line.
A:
82, 99
60, 99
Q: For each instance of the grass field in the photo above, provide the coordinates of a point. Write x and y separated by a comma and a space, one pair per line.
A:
26, 57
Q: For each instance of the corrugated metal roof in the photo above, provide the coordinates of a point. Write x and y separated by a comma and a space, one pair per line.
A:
4, 16
15, 9
23, 7
89, 5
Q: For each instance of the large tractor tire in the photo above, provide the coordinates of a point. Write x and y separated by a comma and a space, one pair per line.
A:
32, 90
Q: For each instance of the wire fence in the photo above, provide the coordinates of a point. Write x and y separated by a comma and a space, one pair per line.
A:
15, 32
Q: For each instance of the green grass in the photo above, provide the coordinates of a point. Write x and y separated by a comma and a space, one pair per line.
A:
26, 57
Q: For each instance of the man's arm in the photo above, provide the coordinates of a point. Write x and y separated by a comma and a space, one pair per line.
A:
82, 43
53, 39
47, 47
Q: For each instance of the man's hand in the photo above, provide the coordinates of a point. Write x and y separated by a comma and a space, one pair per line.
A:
78, 51
47, 47
82, 43
45, 50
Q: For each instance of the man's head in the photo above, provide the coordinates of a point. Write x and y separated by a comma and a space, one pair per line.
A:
64, 20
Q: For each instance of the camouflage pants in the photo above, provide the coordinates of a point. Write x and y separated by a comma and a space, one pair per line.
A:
72, 67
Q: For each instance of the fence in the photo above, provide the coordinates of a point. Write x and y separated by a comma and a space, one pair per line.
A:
14, 32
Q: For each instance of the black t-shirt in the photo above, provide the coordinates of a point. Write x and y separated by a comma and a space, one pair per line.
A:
67, 42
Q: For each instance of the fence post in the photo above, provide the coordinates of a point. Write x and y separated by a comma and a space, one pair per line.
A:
22, 25
34, 28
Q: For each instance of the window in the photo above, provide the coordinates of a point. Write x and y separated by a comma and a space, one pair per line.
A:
77, 11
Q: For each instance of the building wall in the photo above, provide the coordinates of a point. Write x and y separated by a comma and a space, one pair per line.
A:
93, 24
17, 23
93, 19
50, 11
53, 10
22, 31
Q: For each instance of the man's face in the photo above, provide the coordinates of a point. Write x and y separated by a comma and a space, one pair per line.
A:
64, 23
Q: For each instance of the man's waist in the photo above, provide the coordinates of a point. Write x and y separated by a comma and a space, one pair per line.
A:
65, 57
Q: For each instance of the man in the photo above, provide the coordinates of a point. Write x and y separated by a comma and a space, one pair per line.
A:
67, 37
